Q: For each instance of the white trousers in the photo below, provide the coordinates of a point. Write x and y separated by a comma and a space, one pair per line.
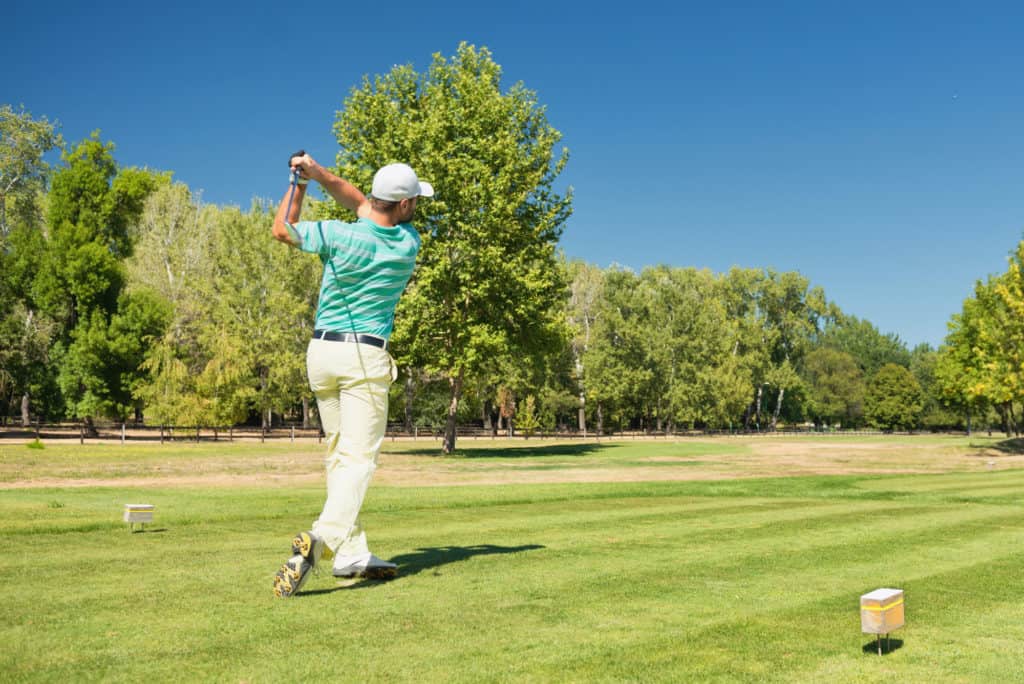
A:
350, 382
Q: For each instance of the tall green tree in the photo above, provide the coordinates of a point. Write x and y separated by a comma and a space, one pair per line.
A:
23, 172
487, 284
688, 338
836, 387
26, 331
91, 207
617, 361
894, 400
981, 362
586, 285
959, 367
792, 314
261, 316
924, 365
865, 343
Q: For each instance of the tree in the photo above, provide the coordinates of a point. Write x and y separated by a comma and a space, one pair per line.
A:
792, 315
863, 341
26, 332
586, 285
958, 368
80, 284
894, 399
487, 284
688, 340
982, 362
261, 314
924, 365
23, 172
618, 370
836, 387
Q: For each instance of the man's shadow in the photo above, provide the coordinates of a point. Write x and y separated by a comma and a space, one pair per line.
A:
410, 564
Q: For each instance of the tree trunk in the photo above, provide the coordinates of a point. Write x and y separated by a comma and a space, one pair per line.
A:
600, 420
778, 408
583, 414
757, 411
968, 421
453, 405
485, 414
305, 413
1007, 420
410, 394
26, 419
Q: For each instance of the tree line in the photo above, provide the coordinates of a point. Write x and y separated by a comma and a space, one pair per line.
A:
123, 295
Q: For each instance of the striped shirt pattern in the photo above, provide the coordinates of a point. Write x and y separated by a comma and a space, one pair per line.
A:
371, 267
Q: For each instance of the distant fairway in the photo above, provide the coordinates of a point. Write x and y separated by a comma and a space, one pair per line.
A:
637, 561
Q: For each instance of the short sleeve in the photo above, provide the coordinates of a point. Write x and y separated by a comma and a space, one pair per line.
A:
308, 236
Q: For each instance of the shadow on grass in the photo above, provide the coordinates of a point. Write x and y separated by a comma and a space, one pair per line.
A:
1009, 446
517, 452
888, 646
410, 564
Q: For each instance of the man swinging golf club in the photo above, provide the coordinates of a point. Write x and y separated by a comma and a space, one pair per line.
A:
367, 265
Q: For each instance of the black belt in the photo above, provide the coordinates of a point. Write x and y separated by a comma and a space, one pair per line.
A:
350, 337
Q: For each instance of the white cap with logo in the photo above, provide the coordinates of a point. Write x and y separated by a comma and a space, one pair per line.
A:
396, 182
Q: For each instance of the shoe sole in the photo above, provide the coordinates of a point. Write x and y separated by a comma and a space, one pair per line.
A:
292, 575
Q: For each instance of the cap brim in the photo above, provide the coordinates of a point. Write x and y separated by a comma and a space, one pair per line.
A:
426, 189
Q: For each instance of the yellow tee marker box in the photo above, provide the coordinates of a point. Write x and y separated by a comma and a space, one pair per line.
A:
881, 611
138, 513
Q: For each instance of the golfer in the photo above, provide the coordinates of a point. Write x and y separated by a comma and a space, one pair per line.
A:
367, 265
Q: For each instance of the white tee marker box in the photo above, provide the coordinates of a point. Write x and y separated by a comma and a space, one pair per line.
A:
881, 611
138, 513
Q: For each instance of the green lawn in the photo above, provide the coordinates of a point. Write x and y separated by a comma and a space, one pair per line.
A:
731, 580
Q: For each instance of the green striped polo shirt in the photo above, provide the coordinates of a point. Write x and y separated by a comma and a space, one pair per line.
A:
366, 268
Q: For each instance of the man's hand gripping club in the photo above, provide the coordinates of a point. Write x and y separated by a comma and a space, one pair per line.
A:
303, 169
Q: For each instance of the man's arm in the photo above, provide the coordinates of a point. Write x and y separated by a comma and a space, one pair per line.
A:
343, 192
280, 230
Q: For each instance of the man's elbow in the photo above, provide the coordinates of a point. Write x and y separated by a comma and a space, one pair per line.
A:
280, 232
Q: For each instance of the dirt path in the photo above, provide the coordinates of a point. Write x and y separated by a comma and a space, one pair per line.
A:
302, 466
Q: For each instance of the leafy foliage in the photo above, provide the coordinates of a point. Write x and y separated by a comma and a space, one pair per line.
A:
487, 291
894, 400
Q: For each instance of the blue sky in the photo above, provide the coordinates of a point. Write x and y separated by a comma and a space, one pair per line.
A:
877, 148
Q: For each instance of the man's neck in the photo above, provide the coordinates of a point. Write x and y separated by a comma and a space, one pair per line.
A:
382, 219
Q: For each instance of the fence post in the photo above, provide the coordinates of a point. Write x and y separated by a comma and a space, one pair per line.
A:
161, 434
122, 432
293, 434
81, 433
263, 433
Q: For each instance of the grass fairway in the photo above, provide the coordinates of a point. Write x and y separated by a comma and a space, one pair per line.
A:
740, 577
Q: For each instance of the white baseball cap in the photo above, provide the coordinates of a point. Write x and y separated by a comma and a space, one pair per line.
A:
396, 182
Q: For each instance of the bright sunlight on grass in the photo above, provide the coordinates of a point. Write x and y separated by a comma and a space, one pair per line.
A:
743, 579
